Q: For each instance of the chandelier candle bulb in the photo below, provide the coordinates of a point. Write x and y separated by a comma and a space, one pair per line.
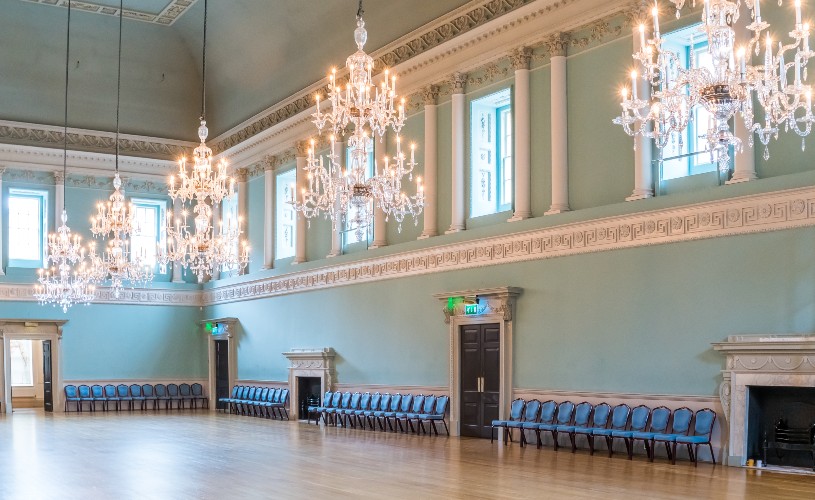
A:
757, 11
797, 14
642, 36
655, 12
634, 85
806, 38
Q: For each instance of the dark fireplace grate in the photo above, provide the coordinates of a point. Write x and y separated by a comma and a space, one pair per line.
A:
786, 438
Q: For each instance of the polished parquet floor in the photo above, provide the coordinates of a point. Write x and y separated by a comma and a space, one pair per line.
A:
194, 455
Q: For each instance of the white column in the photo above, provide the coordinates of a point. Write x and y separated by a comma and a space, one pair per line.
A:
301, 152
176, 276
380, 229
2, 204
270, 191
559, 126
431, 151
241, 175
744, 162
522, 155
457, 82
643, 169
337, 226
59, 197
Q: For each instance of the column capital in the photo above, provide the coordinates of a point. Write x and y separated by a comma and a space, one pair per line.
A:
241, 174
521, 57
269, 163
457, 82
430, 95
301, 148
59, 178
639, 10
557, 44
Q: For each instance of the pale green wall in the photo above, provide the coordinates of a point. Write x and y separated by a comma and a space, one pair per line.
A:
253, 222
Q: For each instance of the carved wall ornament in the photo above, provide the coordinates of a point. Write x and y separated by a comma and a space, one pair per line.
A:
457, 82
430, 95
301, 148
521, 57
487, 74
557, 44
59, 178
241, 175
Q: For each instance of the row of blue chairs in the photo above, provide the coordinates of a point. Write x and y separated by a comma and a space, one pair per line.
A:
124, 395
257, 401
382, 410
660, 425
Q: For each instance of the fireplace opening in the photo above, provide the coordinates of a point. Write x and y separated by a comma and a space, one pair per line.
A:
781, 425
308, 394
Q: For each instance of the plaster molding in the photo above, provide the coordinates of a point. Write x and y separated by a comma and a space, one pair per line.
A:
457, 82
557, 44
430, 95
25, 293
167, 16
734, 216
520, 58
639, 398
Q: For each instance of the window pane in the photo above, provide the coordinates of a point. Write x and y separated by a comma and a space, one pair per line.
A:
22, 367
285, 218
505, 197
25, 227
143, 244
490, 149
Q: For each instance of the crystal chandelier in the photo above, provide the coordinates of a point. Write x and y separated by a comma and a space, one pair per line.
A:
730, 87
116, 220
348, 194
203, 248
67, 279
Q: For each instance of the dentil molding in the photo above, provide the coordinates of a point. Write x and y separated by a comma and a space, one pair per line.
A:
742, 215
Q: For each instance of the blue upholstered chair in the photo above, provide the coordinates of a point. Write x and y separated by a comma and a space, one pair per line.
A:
619, 422
332, 404
639, 422
373, 407
149, 395
72, 396
257, 406
426, 409
702, 430
136, 396
547, 416
161, 396
389, 405
280, 405
599, 420
415, 408
234, 401
359, 413
679, 427
85, 397
318, 409
437, 415
110, 396
516, 411
531, 413
173, 395
185, 393
345, 401
198, 395
346, 413
404, 407
272, 398
565, 413
98, 395
659, 425
582, 414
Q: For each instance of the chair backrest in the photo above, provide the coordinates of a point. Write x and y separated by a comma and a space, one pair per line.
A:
532, 410
384, 402
284, 396
110, 391
184, 389
418, 402
335, 400
681, 422
251, 395
242, 395
326, 398
147, 390
565, 411
705, 419
601, 413
582, 413
355, 397
441, 405
407, 400
346, 400
375, 399
396, 400
172, 390
659, 419
135, 390
274, 396
161, 391
639, 418
516, 409
264, 393
70, 391
619, 416
197, 389
365, 401
97, 391
429, 404
84, 391
548, 412
121, 391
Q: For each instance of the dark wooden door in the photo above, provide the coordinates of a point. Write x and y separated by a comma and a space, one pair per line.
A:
221, 372
47, 382
480, 378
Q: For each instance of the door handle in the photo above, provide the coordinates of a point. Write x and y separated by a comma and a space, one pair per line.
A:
480, 384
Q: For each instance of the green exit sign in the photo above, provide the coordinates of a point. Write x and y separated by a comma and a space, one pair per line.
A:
470, 308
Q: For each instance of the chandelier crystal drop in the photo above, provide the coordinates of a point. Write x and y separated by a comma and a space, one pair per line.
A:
115, 221
729, 88
349, 194
67, 279
202, 248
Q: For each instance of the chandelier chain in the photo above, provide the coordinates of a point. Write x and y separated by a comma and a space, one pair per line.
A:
204, 68
119, 84
65, 121
360, 12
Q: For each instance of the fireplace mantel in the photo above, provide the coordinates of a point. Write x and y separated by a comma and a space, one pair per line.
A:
309, 363
760, 360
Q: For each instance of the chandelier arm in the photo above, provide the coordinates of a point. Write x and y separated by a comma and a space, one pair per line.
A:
119, 84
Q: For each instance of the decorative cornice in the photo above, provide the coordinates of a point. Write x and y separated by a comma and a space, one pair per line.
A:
520, 57
166, 17
146, 297
743, 215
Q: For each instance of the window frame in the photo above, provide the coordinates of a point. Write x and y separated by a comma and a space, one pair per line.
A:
496, 106
161, 229
502, 203
42, 197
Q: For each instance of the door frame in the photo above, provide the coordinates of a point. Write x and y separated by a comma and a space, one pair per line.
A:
227, 331
26, 329
493, 305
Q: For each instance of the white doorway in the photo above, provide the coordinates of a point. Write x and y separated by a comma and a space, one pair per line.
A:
26, 373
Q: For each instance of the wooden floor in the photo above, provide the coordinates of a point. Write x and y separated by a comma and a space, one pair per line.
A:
197, 455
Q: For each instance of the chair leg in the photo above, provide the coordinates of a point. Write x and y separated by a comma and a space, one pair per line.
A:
673, 453
591, 444
649, 449
492, 430
538, 437
629, 445
448, 431
609, 442
712, 456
